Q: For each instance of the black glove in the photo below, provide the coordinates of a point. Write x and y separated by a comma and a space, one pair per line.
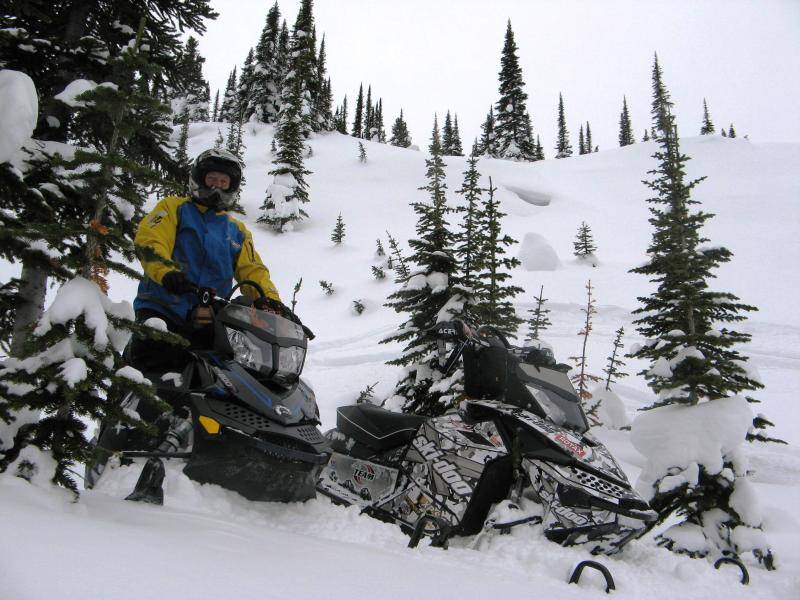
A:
272, 305
175, 282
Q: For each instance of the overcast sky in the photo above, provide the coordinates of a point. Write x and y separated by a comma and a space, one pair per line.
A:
429, 56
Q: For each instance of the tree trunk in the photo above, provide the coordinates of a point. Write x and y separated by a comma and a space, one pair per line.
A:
30, 305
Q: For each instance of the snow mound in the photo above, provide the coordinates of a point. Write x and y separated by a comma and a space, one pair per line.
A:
610, 409
19, 107
536, 254
529, 196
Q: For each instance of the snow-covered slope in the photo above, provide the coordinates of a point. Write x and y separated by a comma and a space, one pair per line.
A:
209, 543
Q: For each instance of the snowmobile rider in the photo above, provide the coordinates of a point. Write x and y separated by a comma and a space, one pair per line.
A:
211, 247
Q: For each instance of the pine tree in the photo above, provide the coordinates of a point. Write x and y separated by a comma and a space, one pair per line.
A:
584, 246
646, 136
458, 149
323, 99
182, 152
539, 320
470, 238
400, 136
493, 298
337, 237
513, 126
447, 136
693, 360
708, 126
341, 121
583, 378
539, 149
488, 143
563, 147
581, 142
267, 75
215, 112
358, 119
731, 132
362, 153
227, 111
379, 134
71, 368
613, 370
219, 142
625, 127
194, 94
301, 79
724, 133
589, 147
245, 106
379, 251
427, 296
366, 127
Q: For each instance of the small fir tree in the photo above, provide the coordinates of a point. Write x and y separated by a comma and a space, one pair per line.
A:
625, 128
582, 378
731, 131
708, 126
296, 291
584, 246
215, 112
614, 370
397, 261
447, 136
379, 251
358, 119
488, 143
326, 286
646, 136
581, 142
337, 237
589, 147
457, 148
362, 153
539, 320
400, 136
378, 273
358, 306
470, 238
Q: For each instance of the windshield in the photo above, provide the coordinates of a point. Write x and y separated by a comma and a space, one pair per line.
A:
556, 396
265, 325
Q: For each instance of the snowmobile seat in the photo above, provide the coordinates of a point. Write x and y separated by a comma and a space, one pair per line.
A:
376, 427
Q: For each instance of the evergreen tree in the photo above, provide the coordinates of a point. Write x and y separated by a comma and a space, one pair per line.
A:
362, 153
731, 132
182, 152
724, 133
341, 121
228, 112
244, 89
337, 237
215, 112
584, 243
583, 378
447, 136
563, 147
493, 304
72, 368
458, 149
378, 130
427, 296
324, 97
646, 136
366, 127
513, 127
400, 136
476, 148
708, 126
539, 149
470, 238
625, 127
194, 93
219, 142
397, 261
539, 320
379, 251
692, 359
267, 75
589, 146
615, 364
488, 143
581, 142
358, 119
301, 80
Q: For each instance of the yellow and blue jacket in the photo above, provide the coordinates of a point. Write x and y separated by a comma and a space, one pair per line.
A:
211, 248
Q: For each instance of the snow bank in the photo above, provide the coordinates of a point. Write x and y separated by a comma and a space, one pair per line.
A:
19, 108
610, 409
688, 437
536, 254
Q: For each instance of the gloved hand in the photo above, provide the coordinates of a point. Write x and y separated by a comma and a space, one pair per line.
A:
271, 305
176, 282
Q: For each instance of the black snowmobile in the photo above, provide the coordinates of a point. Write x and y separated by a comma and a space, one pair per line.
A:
517, 451
242, 418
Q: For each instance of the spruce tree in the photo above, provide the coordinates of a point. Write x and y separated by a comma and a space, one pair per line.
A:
358, 119
581, 142
470, 238
337, 237
301, 81
539, 320
708, 126
378, 127
362, 153
267, 76
731, 132
366, 127
694, 356
724, 133
613, 370
539, 149
194, 94
341, 122
323, 99
589, 147
400, 136
447, 136
513, 126
625, 127
488, 143
458, 149
493, 298
427, 296
219, 141
215, 112
227, 111
182, 152
244, 89
563, 147
646, 136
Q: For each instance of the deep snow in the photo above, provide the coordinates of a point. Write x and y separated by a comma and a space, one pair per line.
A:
209, 543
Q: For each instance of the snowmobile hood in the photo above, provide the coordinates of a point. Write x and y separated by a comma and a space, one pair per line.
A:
589, 453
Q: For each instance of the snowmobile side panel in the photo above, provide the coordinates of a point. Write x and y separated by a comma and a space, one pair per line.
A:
357, 481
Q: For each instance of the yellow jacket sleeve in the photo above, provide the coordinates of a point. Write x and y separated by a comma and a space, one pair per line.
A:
250, 266
157, 231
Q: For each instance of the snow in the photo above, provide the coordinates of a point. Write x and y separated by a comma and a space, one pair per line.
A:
19, 107
209, 543
134, 375
74, 371
69, 95
610, 410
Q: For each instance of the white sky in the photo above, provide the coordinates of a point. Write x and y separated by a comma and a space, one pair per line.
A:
430, 56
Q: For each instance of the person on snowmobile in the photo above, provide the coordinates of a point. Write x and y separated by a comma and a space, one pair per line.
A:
207, 246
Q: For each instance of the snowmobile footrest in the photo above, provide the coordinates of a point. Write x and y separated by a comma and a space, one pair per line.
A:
576, 574
148, 487
442, 532
734, 561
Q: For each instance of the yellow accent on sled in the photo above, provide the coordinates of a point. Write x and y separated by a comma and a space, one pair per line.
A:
209, 424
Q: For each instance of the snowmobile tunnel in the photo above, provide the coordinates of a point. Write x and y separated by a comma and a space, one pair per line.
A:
376, 427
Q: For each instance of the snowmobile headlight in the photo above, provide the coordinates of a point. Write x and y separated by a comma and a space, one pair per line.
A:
247, 352
290, 360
